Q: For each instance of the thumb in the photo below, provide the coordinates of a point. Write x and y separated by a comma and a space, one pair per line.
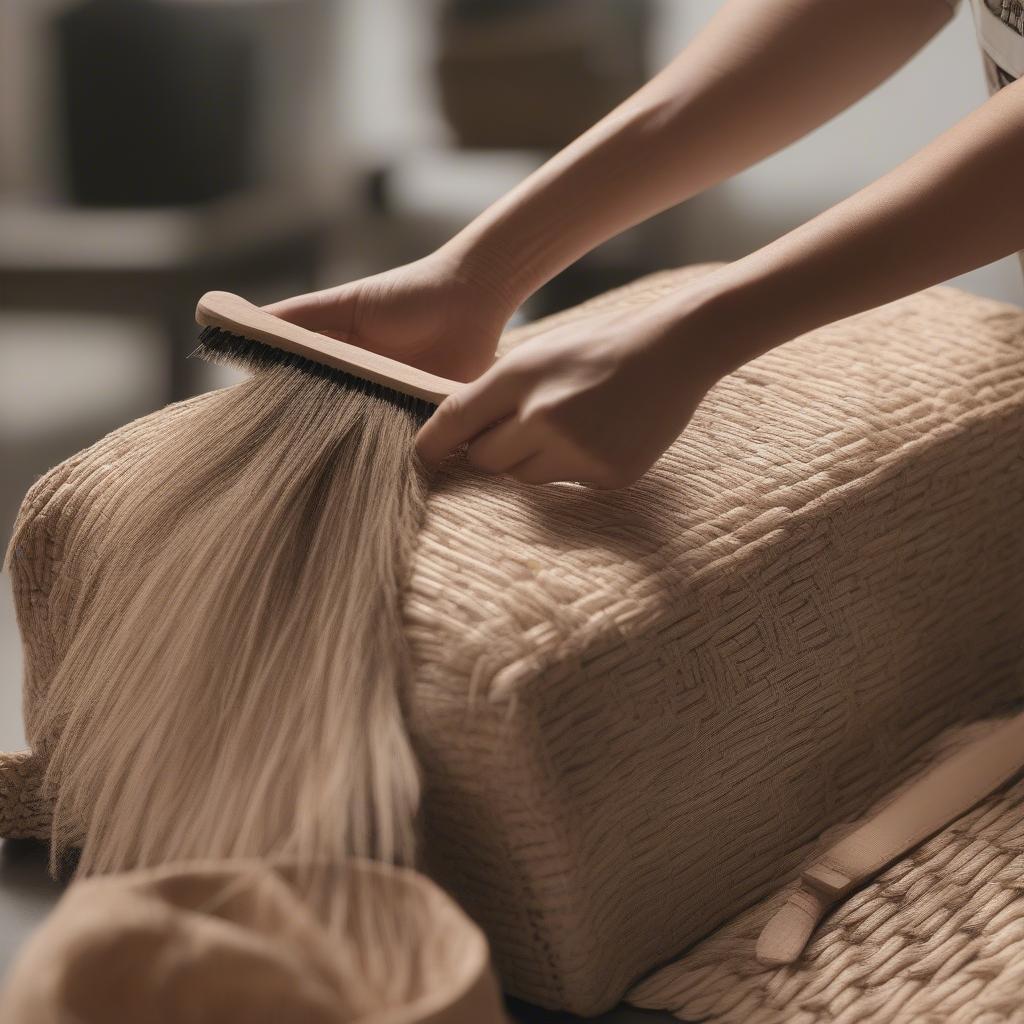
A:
329, 311
468, 412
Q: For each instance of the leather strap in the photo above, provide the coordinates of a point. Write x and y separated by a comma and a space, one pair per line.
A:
939, 796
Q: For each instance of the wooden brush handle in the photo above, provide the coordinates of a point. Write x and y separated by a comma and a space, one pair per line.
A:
237, 316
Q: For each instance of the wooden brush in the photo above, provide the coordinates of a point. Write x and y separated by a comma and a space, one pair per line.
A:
237, 331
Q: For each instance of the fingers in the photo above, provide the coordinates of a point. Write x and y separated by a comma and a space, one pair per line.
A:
466, 413
539, 468
503, 446
512, 449
485, 413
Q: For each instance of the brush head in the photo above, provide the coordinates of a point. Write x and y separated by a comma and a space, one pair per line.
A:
224, 348
241, 320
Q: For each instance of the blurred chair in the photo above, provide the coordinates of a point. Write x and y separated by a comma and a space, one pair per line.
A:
533, 75
192, 146
537, 73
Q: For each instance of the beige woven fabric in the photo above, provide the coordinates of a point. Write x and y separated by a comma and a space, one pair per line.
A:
679, 686
636, 709
936, 939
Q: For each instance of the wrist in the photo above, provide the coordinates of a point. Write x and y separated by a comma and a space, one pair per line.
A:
733, 315
492, 265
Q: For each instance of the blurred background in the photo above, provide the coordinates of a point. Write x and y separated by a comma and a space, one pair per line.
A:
153, 149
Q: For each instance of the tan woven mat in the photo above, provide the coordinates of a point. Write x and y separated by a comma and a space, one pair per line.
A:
938, 937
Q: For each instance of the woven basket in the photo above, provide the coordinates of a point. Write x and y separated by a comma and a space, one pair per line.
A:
637, 710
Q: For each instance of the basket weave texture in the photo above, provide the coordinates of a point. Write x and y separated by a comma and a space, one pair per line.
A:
637, 710
938, 938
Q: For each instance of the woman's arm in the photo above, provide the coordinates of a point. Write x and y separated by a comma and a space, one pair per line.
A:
600, 401
759, 75
950, 208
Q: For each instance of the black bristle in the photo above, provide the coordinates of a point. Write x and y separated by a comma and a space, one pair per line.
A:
219, 346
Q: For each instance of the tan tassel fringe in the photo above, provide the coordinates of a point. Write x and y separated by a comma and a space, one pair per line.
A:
235, 683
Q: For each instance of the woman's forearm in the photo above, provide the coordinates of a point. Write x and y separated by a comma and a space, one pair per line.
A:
761, 74
950, 208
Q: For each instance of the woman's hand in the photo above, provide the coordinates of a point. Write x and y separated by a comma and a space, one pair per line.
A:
431, 313
595, 401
